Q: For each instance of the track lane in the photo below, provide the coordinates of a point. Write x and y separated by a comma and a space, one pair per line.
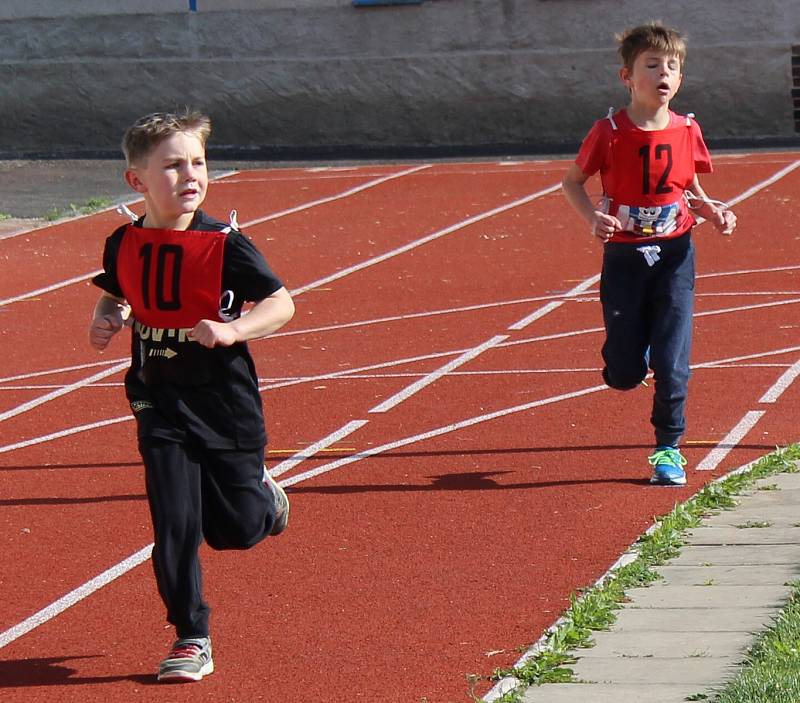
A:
465, 493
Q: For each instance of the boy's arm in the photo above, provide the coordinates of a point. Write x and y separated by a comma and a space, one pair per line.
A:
722, 218
602, 225
107, 320
264, 318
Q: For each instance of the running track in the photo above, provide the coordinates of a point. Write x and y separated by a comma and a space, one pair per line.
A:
456, 468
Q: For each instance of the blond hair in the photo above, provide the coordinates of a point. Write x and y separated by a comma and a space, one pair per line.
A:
149, 131
652, 36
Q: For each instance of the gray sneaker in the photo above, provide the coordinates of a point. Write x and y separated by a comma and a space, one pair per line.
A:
281, 504
188, 660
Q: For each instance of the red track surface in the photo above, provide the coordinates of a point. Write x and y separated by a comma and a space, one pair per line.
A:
434, 557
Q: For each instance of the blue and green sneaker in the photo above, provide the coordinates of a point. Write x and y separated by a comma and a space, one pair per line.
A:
668, 463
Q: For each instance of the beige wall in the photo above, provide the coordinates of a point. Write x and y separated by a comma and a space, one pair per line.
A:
321, 75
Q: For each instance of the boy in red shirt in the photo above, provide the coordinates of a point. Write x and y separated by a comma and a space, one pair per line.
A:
192, 384
648, 158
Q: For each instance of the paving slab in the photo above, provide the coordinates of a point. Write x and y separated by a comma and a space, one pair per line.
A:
716, 555
734, 534
706, 596
666, 645
610, 693
702, 619
655, 670
730, 574
778, 514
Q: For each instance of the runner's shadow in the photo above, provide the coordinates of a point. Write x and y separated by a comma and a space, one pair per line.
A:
467, 481
51, 467
54, 671
79, 500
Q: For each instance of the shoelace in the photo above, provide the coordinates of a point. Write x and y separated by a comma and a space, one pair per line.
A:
185, 651
667, 456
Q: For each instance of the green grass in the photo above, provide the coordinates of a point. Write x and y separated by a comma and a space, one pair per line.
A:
771, 673
4, 216
90, 206
595, 608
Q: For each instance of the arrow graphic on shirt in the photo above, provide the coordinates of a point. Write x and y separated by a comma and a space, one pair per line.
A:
166, 353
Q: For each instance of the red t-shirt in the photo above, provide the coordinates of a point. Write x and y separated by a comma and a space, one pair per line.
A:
645, 173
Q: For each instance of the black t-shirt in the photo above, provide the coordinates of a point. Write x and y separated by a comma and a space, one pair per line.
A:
180, 390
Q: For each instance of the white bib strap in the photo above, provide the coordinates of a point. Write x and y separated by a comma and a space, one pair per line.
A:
695, 201
610, 118
226, 313
234, 224
123, 209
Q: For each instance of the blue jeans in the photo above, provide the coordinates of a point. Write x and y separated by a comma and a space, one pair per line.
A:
647, 310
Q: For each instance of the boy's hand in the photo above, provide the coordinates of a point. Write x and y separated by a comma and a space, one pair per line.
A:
213, 334
103, 329
604, 226
724, 221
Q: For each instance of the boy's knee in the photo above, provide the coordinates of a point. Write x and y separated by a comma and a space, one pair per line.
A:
240, 536
623, 381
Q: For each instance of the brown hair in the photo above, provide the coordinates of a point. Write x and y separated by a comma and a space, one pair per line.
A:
149, 131
652, 36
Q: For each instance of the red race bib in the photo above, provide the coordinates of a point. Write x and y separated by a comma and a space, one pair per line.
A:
171, 278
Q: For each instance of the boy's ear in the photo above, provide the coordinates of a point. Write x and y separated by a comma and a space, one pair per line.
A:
625, 76
132, 179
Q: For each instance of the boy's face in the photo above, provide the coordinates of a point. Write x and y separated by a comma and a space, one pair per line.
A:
654, 78
173, 180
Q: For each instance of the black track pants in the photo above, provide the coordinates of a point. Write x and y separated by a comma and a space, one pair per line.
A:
194, 494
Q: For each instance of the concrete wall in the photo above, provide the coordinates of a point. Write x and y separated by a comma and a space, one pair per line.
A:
320, 76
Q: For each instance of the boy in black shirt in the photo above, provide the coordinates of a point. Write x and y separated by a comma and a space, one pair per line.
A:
192, 383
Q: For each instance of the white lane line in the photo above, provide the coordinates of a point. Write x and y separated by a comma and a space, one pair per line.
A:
70, 599
745, 357
62, 369
75, 596
64, 433
425, 240
417, 315
745, 308
446, 429
311, 450
741, 272
748, 294
388, 364
51, 386
781, 384
504, 372
759, 186
729, 442
434, 376
273, 216
530, 340
333, 198
541, 312
24, 407
48, 289
522, 301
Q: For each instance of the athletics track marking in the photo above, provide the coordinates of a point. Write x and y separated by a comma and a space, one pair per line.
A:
305, 206
142, 555
465, 355
106, 577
